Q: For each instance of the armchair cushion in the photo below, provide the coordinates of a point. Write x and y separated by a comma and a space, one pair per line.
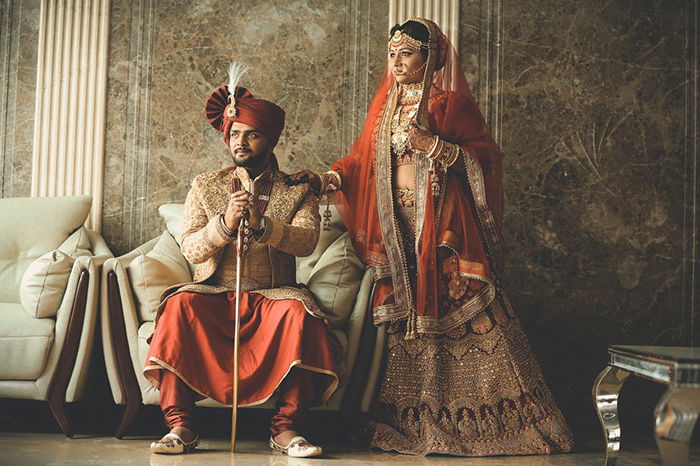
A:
150, 274
77, 244
44, 284
335, 279
330, 233
173, 216
30, 228
24, 343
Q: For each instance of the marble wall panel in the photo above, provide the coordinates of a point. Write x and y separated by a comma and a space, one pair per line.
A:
19, 37
593, 130
166, 57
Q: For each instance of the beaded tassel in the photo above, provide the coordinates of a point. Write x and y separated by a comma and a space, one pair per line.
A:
411, 325
434, 178
327, 215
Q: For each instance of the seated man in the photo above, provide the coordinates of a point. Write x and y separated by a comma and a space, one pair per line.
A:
284, 344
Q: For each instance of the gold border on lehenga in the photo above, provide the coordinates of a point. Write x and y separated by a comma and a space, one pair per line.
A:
465, 312
491, 239
393, 242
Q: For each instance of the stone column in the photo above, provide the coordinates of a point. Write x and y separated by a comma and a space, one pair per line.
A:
70, 101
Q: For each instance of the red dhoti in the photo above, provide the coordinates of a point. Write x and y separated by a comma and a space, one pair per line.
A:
282, 347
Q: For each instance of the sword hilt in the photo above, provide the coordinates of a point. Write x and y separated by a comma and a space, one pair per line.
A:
243, 236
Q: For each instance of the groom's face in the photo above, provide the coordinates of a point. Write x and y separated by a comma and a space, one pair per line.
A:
248, 145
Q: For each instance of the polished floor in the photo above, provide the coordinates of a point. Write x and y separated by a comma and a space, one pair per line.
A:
55, 449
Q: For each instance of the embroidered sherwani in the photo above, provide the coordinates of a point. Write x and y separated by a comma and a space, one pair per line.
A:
282, 328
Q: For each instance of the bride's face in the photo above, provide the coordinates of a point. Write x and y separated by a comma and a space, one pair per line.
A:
406, 64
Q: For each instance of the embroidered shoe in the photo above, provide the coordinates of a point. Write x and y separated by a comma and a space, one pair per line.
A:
172, 444
298, 447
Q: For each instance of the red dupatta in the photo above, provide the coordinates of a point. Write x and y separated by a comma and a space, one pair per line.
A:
463, 215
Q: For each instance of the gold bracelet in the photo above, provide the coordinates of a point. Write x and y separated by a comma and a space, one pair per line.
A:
436, 153
451, 156
333, 179
433, 147
445, 154
323, 183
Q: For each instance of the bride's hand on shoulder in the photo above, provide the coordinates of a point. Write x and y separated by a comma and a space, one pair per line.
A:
420, 138
305, 176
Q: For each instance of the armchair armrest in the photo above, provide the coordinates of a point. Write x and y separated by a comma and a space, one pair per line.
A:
360, 333
357, 318
68, 362
375, 365
120, 325
100, 250
82, 301
116, 294
74, 332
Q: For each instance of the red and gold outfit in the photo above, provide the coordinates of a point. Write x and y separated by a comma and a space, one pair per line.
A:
284, 343
460, 376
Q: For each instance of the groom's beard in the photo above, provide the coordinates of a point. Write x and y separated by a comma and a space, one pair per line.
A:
246, 158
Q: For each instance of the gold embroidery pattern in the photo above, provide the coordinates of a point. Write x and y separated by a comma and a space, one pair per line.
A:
487, 224
298, 209
385, 207
381, 271
300, 294
461, 296
196, 244
405, 197
474, 391
295, 212
388, 313
376, 259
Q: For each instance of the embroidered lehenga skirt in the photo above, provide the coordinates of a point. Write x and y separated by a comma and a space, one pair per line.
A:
475, 391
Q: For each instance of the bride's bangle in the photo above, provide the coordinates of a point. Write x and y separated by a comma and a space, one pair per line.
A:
330, 181
444, 153
433, 147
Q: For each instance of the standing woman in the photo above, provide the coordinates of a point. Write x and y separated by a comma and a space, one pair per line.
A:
421, 196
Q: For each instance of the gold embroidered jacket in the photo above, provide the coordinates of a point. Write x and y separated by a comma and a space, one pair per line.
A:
269, 268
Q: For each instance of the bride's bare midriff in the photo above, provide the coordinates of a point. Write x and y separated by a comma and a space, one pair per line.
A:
405, 176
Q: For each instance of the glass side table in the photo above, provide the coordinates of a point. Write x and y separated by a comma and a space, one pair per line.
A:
676, 412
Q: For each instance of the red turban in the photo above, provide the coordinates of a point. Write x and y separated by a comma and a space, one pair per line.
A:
261, 114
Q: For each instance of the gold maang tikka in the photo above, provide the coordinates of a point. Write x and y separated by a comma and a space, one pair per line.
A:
401, 37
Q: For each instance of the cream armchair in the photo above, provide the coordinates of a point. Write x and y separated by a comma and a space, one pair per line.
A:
48, 299
132, 283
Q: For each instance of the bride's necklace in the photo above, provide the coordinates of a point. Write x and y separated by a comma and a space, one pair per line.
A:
410, 93
399, 129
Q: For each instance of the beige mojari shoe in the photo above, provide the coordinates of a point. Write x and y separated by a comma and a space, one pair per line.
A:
172, 444
298, 447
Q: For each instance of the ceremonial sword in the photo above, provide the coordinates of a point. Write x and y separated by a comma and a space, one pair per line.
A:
240, 239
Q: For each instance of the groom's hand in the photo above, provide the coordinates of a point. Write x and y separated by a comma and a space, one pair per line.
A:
241, 204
